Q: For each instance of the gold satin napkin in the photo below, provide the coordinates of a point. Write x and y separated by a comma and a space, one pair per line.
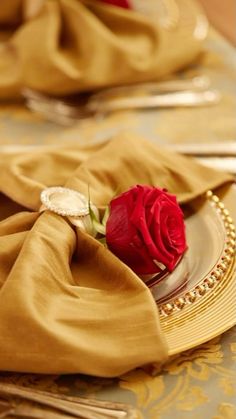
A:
66, 46
67, 304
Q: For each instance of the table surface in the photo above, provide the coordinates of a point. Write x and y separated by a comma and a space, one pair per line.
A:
199, 383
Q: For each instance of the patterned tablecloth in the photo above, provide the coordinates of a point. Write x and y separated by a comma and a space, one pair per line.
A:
199, 383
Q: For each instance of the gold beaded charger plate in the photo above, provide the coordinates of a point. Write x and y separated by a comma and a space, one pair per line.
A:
197, 301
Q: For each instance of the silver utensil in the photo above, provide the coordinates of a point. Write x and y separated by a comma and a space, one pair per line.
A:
226, 164
170, 93
226, 148
218, 155
74, 407
26, 409
197, 83
185, 98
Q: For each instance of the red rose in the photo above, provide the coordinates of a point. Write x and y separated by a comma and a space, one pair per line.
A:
146, 228
119, 3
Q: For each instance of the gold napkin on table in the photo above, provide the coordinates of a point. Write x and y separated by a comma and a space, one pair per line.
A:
66, 46
67, 304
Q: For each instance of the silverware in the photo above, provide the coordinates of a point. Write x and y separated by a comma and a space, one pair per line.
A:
165, 100
171, 93
74, 407
197, 83
26, 409
226, 149
226, 164
219, 155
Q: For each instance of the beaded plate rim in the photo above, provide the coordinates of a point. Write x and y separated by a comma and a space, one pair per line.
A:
221, 270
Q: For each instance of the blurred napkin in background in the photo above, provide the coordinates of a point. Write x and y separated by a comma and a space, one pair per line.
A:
67, 304
65, 46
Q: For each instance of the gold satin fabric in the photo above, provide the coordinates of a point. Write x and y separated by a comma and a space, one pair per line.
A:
67, 46
67, 304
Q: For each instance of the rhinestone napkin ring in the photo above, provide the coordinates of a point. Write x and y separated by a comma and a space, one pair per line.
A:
64, 201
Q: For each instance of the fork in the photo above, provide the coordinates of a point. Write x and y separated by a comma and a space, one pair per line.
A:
169, 93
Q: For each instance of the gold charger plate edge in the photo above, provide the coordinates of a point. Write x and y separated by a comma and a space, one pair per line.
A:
205, 322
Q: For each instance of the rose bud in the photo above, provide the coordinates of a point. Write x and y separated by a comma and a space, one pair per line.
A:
146, 230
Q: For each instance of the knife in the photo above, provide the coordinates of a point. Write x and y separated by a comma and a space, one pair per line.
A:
220, 149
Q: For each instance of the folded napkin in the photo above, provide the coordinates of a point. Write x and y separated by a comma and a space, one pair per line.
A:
67, 46
67, 304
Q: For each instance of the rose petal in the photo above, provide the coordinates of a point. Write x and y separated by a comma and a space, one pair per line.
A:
146, 224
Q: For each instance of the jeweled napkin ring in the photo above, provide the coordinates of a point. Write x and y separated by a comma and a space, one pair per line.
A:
64, 201
70, 204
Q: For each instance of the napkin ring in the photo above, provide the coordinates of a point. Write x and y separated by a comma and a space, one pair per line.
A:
64, 201
70, 204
